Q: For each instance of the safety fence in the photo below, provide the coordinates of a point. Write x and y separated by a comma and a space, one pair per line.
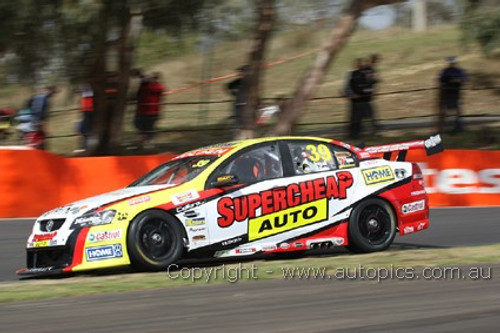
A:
34, 181
322, 113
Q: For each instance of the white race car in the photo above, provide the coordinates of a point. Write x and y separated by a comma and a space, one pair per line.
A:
240, 198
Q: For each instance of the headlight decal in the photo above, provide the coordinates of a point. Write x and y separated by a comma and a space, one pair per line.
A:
93, 219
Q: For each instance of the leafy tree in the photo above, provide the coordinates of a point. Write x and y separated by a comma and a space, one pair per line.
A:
90, 41
481, 24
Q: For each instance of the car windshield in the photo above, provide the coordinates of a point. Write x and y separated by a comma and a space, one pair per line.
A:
176, 172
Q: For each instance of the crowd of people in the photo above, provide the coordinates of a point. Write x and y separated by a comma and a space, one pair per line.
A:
360, 88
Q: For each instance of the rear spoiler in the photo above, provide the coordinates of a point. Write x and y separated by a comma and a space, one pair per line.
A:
432, 145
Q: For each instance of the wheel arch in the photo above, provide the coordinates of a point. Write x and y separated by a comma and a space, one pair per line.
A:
172, 217
391, 201
352, 233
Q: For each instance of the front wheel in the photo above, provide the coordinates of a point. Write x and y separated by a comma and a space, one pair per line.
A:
154, 241
372, 226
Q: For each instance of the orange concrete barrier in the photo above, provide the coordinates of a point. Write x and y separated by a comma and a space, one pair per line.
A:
34, 181
461, 177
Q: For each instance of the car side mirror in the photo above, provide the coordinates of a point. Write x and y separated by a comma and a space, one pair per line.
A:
225, 180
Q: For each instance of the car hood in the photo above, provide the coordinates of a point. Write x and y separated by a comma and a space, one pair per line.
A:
80, 207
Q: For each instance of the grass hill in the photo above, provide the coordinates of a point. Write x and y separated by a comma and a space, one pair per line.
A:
409, 61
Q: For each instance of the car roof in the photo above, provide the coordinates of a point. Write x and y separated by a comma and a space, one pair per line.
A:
233, 146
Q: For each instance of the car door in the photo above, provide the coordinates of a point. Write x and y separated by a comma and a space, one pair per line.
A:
257, 170
325, 174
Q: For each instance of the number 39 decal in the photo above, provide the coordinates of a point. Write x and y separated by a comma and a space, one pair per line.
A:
319, 153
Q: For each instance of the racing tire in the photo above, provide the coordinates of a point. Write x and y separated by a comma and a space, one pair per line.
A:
154, 241
372, 226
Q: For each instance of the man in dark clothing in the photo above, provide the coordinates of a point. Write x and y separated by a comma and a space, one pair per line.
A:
450, 81
39, 104
373, 79
358, 91
238, 89
39, 108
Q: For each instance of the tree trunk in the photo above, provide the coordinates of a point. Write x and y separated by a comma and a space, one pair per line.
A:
130, 31
97, 80
266, 11
111, 89
310, 81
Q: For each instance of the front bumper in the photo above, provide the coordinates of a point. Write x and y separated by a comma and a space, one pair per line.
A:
42, 261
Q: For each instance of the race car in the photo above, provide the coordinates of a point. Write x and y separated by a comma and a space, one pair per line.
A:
241, 198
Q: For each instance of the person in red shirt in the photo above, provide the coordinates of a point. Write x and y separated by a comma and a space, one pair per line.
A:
86, 108
149, 98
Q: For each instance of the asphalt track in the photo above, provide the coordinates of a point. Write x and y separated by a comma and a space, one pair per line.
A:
447, 305
450, 227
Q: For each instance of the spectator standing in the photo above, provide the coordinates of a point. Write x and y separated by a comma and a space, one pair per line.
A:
39, 104
149, 98
358, 90
373, 79
451, 80
86, 108
237, 88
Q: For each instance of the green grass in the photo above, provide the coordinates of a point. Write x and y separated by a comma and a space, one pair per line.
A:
265, 269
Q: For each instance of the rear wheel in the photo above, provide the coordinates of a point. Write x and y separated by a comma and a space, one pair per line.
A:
154, 241
372, 226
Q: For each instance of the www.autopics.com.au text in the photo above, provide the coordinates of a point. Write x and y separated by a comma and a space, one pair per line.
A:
234, 273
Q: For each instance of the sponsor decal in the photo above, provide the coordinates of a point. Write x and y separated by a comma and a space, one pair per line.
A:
224, 178
39, 244
188, 206
231, 241
338, 241
104, 252
183, 197
191, 214
239, 209
195, 221
415, 193
298, 244
122, 216
197, 229
284, 246
44, 237
433, 144
40, 269
408, 230
377, 175
364, 154
421, 226
413, 207
103, 236
199, 238
200, 164
204, 152
139, 200
288, 219
400, 173
245, 250
269, 247
345, 160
